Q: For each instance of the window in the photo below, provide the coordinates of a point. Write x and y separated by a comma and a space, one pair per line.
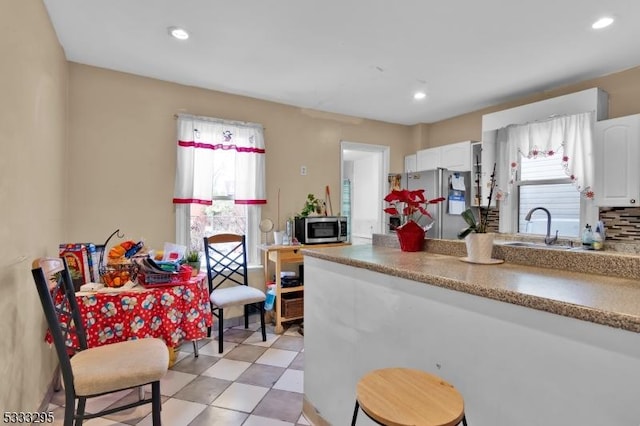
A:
543, 183
219, 181
547, 164
223, 215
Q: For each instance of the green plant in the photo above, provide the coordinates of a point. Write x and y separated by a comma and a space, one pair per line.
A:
479, 227
311, 205
192, 256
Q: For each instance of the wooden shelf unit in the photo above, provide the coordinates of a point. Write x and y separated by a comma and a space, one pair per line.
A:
280, 255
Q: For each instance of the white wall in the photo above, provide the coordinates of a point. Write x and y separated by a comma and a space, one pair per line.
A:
365, 187
513, 365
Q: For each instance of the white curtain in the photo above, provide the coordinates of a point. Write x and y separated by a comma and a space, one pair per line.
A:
219, 158
569, 138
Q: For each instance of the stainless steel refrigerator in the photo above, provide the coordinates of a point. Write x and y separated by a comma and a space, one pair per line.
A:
455, 187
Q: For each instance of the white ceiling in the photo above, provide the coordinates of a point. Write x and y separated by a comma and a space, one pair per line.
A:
363, 58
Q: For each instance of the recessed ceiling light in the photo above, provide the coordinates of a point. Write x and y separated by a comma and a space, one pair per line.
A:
419, 95
602, 23
179, 33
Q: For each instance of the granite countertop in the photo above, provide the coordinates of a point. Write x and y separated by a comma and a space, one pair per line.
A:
609, 300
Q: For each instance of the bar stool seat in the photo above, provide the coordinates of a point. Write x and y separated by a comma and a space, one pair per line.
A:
405, 396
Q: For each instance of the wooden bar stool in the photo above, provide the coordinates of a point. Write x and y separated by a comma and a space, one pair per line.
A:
404, 396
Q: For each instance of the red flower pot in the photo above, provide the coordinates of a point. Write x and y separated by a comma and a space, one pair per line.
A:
411, 236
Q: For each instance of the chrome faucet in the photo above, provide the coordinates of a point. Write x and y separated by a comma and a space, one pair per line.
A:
548, 240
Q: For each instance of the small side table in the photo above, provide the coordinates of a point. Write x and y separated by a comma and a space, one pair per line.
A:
280, 255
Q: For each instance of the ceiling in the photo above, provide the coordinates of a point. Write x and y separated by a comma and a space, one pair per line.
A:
363, 58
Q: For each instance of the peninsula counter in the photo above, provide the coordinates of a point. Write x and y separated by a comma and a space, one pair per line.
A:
524, 345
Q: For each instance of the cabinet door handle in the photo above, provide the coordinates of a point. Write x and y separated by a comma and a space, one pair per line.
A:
633, 201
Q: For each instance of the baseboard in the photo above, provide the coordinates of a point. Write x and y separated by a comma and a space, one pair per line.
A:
312, 415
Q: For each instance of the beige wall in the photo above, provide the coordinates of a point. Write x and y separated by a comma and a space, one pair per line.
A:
122, 150
114, 168
33, 87
624, 99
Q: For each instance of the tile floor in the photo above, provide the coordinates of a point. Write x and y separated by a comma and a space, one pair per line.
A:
252, 383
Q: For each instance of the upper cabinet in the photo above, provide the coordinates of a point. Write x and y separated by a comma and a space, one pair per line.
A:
456, 156
617, 154
428, 159
410, 164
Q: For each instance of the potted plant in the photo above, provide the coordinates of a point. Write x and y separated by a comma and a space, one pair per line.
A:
192, 259
409, 206
312, 205
478, 241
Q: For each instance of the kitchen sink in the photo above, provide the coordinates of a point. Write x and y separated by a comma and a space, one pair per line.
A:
520, 244
536, 245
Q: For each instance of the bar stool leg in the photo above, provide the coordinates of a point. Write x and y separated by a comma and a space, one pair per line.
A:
355, 413
464, 420
220, 330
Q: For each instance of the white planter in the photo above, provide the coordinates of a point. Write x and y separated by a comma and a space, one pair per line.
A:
479, 247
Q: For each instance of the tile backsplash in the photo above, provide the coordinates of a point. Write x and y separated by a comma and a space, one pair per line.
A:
622, 223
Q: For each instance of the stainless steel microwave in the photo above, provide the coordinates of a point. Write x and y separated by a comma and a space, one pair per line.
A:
320, 229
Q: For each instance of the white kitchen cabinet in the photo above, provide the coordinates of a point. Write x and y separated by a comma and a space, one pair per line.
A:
455, 156
476, 173
617, 155
428, 159
482, 159
410, 163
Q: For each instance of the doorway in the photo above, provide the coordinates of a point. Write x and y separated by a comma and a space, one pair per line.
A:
363, 176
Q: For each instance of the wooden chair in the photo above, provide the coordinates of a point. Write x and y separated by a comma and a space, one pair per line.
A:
90, 372
226, 257
404, 396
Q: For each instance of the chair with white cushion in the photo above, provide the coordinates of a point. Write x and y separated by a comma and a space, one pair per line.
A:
226, 257
90, 372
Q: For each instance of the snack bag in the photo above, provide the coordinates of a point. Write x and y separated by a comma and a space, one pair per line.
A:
77, 259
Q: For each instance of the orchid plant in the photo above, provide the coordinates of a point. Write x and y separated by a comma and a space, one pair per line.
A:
481, 225
409, 205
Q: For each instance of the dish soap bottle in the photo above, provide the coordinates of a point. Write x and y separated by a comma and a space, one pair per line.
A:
598, 243
587, 236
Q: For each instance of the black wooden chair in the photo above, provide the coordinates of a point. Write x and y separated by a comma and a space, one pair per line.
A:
90, 372
226, 257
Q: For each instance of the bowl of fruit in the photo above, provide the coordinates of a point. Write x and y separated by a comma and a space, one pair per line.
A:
120, 267
118, 275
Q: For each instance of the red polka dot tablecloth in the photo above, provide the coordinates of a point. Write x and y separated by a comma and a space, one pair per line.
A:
173, 313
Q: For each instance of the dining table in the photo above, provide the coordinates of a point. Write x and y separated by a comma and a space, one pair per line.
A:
175, 313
